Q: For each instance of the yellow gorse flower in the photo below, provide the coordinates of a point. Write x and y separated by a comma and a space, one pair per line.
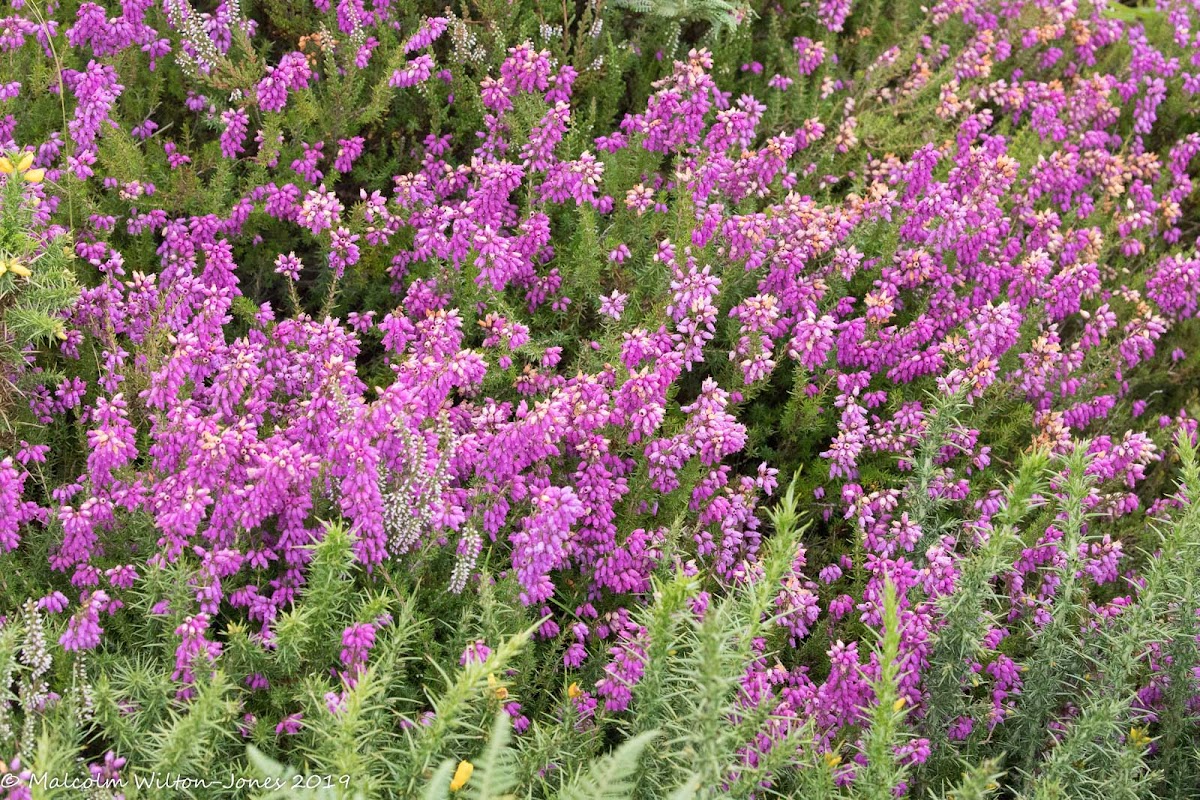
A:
832, 760
461, 775
22, 168
500, 691
899, 704
574, 691
11, 264
1138, 737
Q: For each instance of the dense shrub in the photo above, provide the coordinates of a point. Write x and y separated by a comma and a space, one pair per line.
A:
585, 400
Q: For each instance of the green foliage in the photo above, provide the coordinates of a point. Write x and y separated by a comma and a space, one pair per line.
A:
720, 14
37, 285
883, 773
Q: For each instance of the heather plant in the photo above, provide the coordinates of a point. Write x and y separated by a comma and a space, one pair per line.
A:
599, 399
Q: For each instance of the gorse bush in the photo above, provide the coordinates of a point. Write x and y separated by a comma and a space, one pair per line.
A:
599, 400
36, 282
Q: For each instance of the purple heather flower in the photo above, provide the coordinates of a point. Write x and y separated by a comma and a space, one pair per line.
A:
613, 305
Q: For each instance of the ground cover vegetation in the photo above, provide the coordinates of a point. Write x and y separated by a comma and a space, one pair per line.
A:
599, 399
